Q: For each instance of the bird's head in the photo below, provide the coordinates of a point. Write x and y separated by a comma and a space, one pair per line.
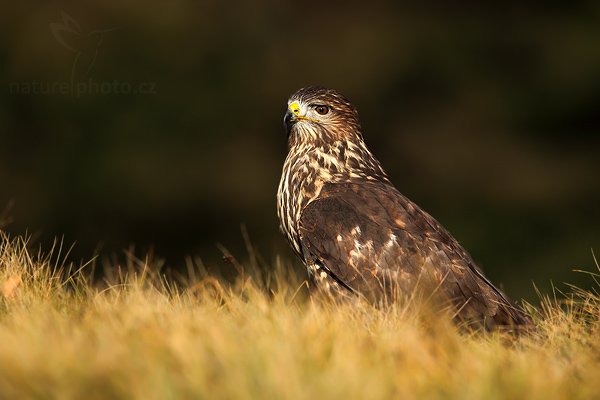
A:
320, 115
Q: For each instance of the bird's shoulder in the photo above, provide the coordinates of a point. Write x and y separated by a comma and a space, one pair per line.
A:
354, 226
364, 203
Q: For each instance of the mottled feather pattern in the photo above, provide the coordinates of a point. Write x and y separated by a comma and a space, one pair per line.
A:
358, 234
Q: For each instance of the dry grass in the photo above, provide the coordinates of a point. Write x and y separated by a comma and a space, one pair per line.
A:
262, 337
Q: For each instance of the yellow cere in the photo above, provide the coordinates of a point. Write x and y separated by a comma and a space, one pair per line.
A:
294, 107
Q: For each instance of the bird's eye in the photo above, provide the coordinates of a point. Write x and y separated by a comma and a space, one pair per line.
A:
321, 109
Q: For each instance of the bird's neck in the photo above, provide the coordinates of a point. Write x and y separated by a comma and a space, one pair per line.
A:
336, 161
308, 167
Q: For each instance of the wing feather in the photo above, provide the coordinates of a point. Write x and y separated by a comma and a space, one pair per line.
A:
369, 236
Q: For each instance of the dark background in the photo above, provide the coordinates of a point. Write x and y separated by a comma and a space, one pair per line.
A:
487, 115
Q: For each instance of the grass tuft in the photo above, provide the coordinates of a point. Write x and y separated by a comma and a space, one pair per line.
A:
142, 333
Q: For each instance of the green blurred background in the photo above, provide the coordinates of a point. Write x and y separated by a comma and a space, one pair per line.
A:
485, 114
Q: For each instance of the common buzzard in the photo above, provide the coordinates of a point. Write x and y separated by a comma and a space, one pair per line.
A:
357, 234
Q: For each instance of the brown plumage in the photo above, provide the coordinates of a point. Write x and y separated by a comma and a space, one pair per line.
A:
357, 233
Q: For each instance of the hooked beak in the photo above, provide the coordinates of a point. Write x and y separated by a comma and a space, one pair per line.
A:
288, 120
292, 115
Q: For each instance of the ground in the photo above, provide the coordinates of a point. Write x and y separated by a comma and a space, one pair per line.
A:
141, 335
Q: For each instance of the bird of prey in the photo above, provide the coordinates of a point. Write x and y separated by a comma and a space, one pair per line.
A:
357, 234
